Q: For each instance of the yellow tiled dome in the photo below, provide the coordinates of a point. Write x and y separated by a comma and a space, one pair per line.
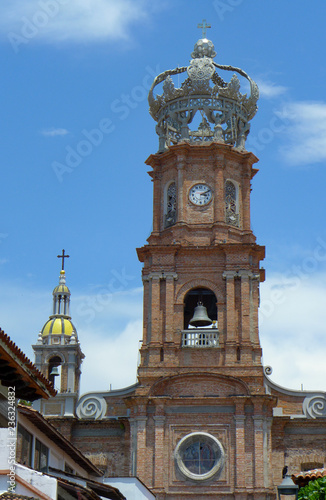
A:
61, 289
58, 326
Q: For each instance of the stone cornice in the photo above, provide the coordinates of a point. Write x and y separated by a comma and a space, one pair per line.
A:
241, 273
203, 151
160, 275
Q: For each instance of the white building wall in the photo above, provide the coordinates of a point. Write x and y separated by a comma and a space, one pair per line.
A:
7, 442
57, 457
44, 484
130, 487
15, 474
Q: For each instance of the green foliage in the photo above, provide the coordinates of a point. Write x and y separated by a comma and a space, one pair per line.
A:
315, 490
24, 402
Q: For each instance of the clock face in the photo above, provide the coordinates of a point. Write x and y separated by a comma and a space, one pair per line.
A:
200, 194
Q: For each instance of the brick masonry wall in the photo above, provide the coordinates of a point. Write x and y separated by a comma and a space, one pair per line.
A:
299, 444
291, 405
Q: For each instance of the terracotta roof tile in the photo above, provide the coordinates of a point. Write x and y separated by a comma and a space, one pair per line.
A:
7, 495
9, 349
303, 478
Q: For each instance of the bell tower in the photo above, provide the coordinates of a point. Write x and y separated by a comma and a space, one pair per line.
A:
202, 257
200, 416
58, 354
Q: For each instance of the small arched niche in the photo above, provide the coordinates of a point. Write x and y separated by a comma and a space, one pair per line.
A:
54, 371
208, 300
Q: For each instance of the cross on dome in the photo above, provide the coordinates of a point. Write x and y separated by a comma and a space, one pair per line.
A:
63, 257
204, 27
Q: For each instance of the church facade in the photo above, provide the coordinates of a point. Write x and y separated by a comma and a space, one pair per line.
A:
204, 419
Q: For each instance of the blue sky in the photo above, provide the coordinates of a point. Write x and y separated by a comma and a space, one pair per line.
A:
80, 69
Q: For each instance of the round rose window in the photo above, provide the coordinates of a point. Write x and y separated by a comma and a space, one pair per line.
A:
199, 456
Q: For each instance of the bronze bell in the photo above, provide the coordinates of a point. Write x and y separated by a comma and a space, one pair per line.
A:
54, 372
200, 317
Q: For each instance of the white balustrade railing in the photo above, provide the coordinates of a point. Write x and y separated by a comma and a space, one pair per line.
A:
200, 337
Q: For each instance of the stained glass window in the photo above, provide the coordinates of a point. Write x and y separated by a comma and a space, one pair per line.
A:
171, 205
231, 209
199, 456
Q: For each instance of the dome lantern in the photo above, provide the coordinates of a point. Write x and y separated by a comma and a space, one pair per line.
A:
59, 323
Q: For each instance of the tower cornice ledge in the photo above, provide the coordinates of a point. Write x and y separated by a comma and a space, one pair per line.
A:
181, 152
177, 248
186, 233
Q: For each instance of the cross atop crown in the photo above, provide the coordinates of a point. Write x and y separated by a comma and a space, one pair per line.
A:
204, 27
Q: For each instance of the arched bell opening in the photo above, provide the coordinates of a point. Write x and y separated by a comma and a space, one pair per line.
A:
200, 309
54, 371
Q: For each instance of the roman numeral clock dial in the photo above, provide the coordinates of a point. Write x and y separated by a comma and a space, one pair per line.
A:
200, 194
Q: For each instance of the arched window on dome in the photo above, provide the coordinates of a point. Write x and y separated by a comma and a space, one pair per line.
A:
170, 205
54, 371
200, 319
232, 203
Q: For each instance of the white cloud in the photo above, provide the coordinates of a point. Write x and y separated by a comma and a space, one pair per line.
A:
53, 132
305, 132
73, 20
270, 90
293, 329
110, 360
107, 309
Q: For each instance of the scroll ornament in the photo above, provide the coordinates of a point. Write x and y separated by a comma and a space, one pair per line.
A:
315, 406
91, 407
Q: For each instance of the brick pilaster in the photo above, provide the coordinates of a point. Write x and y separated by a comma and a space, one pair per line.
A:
240, 459
230, 338
258, 451
159, 451
155, 309
246, 200
141, 457
169, 301
219, 203
180, 166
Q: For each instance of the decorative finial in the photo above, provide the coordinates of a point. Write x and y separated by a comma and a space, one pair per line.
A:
204, 27
63, 257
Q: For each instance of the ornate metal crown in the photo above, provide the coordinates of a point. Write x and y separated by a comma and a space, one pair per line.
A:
225, 112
